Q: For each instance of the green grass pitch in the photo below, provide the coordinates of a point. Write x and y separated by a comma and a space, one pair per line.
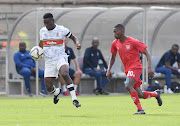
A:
113, 110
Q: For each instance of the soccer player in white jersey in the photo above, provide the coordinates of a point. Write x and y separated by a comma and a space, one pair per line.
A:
56, 60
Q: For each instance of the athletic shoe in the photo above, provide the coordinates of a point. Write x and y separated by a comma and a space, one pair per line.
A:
43, 93
76, 93
139, 112
30, 94
66, 93
76, 103
56, 97
169, 91
159, 100
102, 92
96, 91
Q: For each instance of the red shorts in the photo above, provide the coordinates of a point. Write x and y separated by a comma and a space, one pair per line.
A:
135, 74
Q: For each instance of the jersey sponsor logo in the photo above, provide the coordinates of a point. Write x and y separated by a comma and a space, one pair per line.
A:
130, 74
127, 46
53, 42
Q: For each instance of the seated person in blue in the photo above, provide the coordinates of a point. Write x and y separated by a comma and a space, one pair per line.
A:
90, 66
165, 65
74, 74
26, 67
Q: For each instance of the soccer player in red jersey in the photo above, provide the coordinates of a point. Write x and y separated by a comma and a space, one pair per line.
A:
128, 49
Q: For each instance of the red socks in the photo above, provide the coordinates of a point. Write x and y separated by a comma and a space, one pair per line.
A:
135, 99
149, 94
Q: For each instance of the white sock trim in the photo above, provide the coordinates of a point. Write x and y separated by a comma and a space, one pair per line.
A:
54, 89
72, 92
57, 91
71, 85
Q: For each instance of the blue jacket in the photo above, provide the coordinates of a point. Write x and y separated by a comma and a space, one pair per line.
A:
170, 58
92, 57
23, 59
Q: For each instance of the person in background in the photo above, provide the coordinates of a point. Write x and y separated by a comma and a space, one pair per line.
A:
128, 49
90, 66
75, 75
26, 67
165, 65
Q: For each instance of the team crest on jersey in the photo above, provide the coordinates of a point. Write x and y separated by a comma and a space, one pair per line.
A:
68, 52
57, 34
127, 46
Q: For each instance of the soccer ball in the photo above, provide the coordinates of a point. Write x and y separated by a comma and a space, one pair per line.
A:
36, 53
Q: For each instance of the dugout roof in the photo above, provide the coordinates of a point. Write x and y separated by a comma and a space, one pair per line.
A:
157, 27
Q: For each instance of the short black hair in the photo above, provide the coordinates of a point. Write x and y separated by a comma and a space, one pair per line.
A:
176, 45
120, 26
47, 15
22, 44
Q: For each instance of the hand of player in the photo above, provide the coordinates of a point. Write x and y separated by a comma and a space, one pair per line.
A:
150, 73
78, 46
109, 75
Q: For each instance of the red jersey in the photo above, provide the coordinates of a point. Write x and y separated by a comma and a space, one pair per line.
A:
129, 52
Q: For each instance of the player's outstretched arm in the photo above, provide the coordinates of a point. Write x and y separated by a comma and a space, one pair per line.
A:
111, 62
76, 41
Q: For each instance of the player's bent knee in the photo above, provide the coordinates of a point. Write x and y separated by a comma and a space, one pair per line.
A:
78, 75
64, 74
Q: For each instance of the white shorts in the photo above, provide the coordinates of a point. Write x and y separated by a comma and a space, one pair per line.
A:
52, 68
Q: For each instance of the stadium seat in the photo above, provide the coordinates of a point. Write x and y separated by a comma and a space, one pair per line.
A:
155, 61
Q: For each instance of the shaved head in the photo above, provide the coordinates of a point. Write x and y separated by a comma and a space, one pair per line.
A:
120, 27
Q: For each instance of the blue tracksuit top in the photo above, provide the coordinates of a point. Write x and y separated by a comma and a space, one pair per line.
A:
169, 57
92, 57
23, 59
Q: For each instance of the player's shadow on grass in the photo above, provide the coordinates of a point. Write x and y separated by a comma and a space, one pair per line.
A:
79, 116
172, 115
